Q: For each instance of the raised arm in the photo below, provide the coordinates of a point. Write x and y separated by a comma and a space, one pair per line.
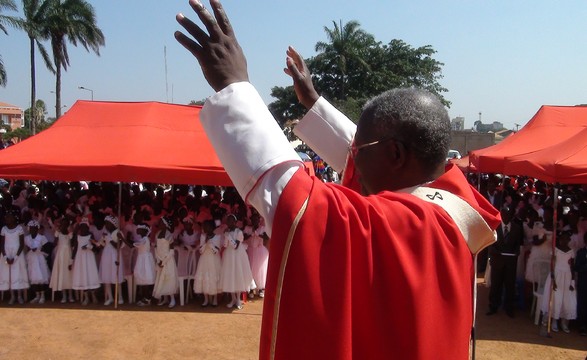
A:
325, 129
247, 140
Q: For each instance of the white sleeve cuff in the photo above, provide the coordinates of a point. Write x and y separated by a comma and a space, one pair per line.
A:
328, 132
246, 137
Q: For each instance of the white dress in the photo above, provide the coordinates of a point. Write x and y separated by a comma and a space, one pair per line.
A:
38, 270
13, 277
258, 255
564, 301
144, 271
108, 268
184, 262
236, 275
85, 269
207, 278
61, 276
539, 252
166, 282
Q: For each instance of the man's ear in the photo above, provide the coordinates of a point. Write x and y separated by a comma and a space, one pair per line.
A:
398, 154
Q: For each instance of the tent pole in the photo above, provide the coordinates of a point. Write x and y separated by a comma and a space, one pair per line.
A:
117, 284
552, 258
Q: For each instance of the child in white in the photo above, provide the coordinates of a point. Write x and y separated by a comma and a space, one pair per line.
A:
61, 276
188, 237
166, 282
144, 271
236, 276
110, 265
258, 254
207, 278
564, 299
85, 269
13, 271
38, 270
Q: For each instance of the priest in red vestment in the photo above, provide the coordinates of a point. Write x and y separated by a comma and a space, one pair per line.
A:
383, 273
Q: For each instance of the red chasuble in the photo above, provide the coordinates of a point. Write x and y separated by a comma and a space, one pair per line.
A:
387, 276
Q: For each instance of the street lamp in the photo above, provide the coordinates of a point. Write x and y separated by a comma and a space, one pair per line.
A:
90, 90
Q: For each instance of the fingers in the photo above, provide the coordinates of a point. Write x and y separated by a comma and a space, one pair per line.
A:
207, 19
292, 69
188, 43
221, 18
194, 30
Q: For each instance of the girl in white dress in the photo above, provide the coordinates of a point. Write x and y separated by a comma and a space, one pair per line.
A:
187, 239
258, 254
207, 278
564, 299
236, 276
166, 282
38, 270
110, 265
541, 248
144, 271
85, 269
61, 275
13, 271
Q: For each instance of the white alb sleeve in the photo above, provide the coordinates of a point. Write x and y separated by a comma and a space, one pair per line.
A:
328, 132
251, 145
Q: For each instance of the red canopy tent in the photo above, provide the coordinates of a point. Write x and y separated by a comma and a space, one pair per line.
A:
565, 162
118, 141
463, 164
550, 126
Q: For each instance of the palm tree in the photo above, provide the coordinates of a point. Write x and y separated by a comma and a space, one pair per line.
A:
5, 20
345, 44
35, 16
74, 21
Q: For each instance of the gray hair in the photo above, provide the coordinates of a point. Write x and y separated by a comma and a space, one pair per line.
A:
414, 117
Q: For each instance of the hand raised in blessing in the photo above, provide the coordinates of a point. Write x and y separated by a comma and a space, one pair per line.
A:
218, 52
302, 79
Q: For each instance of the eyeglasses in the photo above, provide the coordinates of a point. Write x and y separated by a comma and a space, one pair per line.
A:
354, 149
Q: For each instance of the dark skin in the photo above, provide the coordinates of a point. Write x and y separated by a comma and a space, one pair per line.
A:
563, 244
223, 63
10, 221
64, 229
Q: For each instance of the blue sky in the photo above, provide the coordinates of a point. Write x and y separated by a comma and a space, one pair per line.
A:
502, 58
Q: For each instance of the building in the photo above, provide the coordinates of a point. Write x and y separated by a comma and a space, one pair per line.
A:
467, 141
457, 124
11, 115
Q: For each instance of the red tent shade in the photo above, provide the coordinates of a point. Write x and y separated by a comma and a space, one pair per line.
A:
463, 164
565, 162
551, 125
117, 141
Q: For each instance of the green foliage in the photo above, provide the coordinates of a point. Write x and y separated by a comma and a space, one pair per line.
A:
5, 20
352, 67
20, 133
40, 110
70, 21
199, 102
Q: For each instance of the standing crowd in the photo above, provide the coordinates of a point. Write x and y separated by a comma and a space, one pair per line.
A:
521, 262
67, 238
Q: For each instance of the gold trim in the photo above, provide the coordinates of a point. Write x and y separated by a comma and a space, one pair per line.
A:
290, 235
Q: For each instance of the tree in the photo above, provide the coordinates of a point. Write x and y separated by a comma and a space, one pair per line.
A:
346, 43
36, 114
353, 67
199, 102
74, 21
5, 20
35, 17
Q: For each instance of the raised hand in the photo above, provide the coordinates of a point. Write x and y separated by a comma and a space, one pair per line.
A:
218, 52
302, 79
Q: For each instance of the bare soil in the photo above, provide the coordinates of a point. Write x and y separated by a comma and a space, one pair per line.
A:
55, 331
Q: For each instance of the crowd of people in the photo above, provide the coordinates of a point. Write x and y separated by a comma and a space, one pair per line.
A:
522, 258
68, 238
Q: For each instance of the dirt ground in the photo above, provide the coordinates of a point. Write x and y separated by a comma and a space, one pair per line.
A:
53, 331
